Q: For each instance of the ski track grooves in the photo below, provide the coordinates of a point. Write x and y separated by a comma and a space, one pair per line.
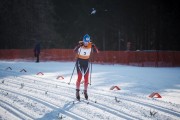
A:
17, 110
96, 106
11, 110
156, 107
56, 108
100, 106
175, 113
112, 110
65, 109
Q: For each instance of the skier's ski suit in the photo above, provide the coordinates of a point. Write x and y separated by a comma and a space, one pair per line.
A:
82, 64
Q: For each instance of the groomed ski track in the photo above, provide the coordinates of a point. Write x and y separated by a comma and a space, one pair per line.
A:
28, 96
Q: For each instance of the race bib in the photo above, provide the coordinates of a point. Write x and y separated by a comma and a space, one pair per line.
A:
84, 53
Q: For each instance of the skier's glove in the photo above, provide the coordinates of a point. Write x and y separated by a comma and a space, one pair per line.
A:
93, 45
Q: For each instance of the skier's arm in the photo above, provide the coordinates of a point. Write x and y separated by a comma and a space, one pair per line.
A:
95, 49
78, 46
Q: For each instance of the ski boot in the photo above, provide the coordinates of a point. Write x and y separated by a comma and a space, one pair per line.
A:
77, 94
85, 94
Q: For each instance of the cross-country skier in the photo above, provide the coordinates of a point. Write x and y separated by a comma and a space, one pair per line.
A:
83, 50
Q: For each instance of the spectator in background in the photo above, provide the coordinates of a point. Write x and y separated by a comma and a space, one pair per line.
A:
37, 50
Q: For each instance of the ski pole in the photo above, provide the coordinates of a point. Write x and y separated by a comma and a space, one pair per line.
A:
90, 72
74, 68
72, 74
91, 64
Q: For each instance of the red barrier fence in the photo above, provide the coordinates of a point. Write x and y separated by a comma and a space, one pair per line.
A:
136, 58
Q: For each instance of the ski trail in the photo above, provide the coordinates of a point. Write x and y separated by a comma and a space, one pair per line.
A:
103, 108
56, 109
16, 111
50, 92
151, 101
135, 98
61, 111
112, 110
170, 112
58, 97
31, 97
70, 96
156, 106
11, 111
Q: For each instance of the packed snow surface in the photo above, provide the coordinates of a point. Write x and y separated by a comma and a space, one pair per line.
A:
40, 91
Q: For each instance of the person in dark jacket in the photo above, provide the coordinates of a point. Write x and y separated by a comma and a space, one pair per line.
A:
37, 49
83, 51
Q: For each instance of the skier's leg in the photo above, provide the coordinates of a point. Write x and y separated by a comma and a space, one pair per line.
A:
79, 72
85, 94
86, 76
78, 85
77, 94
37, 58
78, 80
79, 69
86, 85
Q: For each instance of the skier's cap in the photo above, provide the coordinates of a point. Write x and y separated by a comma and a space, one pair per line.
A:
86, 38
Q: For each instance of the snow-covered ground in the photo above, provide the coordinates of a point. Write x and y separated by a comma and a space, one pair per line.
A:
26, 95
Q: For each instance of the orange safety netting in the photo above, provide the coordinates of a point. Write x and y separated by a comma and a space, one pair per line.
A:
137, 58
